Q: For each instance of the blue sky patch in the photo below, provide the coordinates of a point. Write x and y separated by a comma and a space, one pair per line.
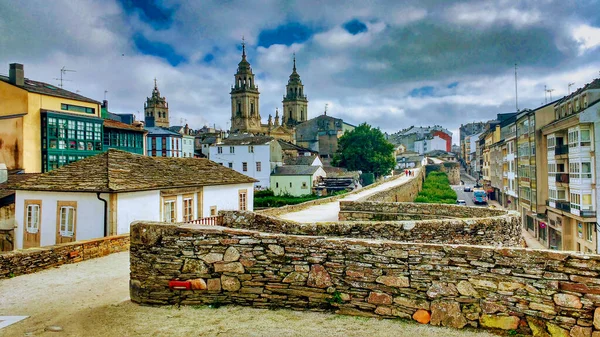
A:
287, 34
208, 58
158, 17
422, 92
157, 49
355, 27
452, 85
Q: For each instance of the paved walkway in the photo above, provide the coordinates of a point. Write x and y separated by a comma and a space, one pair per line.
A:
329, 211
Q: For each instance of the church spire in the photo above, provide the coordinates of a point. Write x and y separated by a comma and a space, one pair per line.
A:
243, 48
294, 62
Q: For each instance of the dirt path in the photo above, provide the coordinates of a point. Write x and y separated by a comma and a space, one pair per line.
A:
91, 298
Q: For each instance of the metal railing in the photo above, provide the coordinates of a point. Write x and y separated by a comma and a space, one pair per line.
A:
563, 206
562, 178
561, 149
208, 221
587, 214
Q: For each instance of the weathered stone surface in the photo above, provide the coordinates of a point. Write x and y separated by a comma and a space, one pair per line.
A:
466, 289
422, 316
556, 331
412, 303
213, 285
549, 309
579, 331
482, 283
447, 313
198, 284
509, 286
597, 319
568, 300
229, 267
231, 255
193, 266
277, 250
537, 326
394, 281
295, 277
500, 322
442, 289
379, 298
384, 311
212, 257
471, 311
230, 283
318, 277
492, 307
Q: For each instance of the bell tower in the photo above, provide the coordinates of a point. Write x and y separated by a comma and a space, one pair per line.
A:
295, 103
245, 114
157, 107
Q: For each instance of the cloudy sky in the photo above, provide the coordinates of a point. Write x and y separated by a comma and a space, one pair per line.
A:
392, 64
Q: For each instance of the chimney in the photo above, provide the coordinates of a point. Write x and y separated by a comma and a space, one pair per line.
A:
105, 104
150, 121
16, 74
3, 173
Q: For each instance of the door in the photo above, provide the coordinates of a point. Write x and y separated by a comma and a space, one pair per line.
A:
66, 221
31, 223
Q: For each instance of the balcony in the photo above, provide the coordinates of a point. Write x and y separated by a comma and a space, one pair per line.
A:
563, 206
587, 214
561, 149
562, 178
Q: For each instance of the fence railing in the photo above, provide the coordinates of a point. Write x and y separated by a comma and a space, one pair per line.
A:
208, 221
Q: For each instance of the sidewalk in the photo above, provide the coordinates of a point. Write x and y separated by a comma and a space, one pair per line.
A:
530, 240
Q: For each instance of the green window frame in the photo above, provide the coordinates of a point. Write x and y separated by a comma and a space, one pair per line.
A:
77, 108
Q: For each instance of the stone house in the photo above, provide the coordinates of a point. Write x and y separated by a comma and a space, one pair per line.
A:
102, 195
296, 180
7, 205
321, 134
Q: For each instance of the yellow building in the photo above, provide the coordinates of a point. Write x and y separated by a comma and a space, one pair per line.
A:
42, 126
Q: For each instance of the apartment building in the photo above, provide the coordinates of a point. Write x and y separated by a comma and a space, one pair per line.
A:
508, 132
570, 141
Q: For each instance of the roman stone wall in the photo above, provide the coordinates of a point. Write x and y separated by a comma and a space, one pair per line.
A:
499, 230
524, 291
32, 260
401, 193
452, 170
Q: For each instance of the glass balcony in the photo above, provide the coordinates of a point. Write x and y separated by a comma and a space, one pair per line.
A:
587, 214
562, 178
561, 149
563, 206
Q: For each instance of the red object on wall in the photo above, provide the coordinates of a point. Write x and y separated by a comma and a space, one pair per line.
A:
180, 285
445, 137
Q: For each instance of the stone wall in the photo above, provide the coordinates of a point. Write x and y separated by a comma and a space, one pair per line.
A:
401, 193
500, 230
32, 260
276, 211
364, 210
523, 291
452, 170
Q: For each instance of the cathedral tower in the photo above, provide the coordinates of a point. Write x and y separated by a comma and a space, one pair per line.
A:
295, 104
245, 115
158, 108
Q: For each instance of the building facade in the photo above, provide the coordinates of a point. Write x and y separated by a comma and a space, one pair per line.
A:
156, 108
121, 136
295, 102
163, 142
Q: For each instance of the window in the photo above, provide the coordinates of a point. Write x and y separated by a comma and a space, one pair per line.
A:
243, 200
304, 185
67, 221
585, 138
276, 185
213, 210
230, 165
231, 149
551, 143
219, 149
258, 166
250, 149
575, 201
32, 217
573, 138
586, 170
574, 170
290, 184
589, 231
76, 108
245, 167
169, 214
188, 208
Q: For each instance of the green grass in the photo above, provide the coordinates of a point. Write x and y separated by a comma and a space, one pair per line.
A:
436, 190
267, 198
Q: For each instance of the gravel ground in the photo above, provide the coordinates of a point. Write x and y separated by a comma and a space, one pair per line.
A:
91, 298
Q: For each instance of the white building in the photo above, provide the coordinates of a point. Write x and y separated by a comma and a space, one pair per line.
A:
101, 195
256, 156
187, 146
430, 144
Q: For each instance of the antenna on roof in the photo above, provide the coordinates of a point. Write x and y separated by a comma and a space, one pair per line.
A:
63, 71
569, 88
326, 105
516, 92
550, 92
105, 92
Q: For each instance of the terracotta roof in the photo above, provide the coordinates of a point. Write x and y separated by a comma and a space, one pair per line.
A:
120, 171
295, 170
49, 89
109, 123
6, 188
301, 160
256, 140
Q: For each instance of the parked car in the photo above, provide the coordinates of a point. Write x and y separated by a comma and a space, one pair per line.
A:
479, 196
468, 189
461, 202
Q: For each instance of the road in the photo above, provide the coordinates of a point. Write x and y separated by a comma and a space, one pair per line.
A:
461, 194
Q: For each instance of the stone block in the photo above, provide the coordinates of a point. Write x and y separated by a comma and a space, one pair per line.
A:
499, 322
277, 250
379, 298
447, 313
384, 311
556, 331
568, 300
442, 289
412, 303
394, 281
549, 309
229, 267
193, 266
295, 277
484, 284
230, 283
198, 284
422, 316
231, 255
492, 307
579, 331
212, 257
213, 285
509, 286
318, 277
466, 289
537, 326
597, 318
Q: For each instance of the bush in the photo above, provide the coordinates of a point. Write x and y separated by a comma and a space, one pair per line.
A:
437, 190
267, 198
263, 193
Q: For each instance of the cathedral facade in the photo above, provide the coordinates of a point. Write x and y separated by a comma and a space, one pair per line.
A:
245, 107
156, 109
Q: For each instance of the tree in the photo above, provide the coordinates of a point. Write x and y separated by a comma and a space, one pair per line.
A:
365, 149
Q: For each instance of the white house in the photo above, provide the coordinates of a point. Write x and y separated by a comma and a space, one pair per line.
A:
101, 195
430, 144
296, 180
253, 156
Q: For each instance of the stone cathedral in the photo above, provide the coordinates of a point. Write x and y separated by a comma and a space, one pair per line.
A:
245, 107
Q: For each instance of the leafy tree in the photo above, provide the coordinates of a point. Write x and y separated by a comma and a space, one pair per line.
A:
365, 149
